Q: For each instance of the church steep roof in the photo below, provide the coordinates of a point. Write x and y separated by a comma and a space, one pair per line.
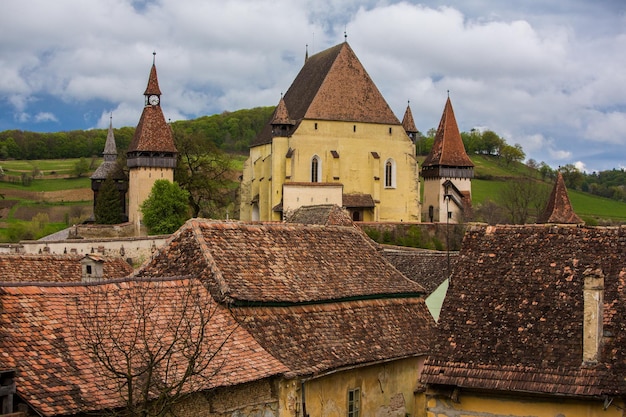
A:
281, 115
109, 145
334, 85
448, 148
153, 83
559, 208
407, 121
152, 134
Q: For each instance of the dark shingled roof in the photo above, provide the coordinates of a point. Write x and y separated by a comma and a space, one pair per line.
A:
512, 319
313, 339
326, 214
109, 165
358, 200
333, 85
559, 208
448, 148
279, 262
56, 268
57, 374
428, 268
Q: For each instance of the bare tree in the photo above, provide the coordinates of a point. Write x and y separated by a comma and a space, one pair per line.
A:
153, 342
524, 199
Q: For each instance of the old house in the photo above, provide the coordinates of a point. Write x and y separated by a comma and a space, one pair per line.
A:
56, 338
533, 324
351, 329
333, 139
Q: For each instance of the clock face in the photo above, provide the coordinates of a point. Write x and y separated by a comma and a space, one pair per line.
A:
154, 100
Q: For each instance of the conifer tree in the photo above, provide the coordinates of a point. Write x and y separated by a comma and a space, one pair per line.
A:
108, 207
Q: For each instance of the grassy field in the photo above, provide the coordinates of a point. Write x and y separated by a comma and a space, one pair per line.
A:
54, 199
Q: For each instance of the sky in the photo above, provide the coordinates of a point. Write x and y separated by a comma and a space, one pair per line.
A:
549, 75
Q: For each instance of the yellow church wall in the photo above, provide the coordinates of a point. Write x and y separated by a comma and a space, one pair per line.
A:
356, 167
140, 183
482, 405
386, 390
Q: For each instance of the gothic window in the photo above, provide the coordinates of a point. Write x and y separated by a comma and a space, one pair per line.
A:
316, 169
390, 174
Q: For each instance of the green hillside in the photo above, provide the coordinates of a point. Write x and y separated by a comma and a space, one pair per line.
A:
492, 176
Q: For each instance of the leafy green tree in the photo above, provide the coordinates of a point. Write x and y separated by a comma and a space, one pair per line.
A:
166, 208
81, 167
204, 171
513, 153
572, 176
108, 209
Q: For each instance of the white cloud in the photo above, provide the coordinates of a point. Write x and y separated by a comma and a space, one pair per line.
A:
550, 77
45, 117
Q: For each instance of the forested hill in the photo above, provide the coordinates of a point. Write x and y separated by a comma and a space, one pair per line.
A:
231, 131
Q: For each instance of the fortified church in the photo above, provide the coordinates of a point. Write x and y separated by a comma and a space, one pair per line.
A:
333, 139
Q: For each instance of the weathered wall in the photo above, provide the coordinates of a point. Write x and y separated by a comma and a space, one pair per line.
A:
387, 390
483, 405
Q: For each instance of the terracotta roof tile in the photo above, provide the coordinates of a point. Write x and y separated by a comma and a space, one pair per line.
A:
55, 268
407, 121
41, 338
333, 85
428, 268
153, 83
327, 214
279, 262
152, 134
312, 339
448, 148
559, 208
358, 200
513, 315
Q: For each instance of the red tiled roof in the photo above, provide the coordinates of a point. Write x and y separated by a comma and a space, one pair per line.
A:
313, 339
448, 148
152, 134
55, 268
333, 85
559, 208
281, 115
358, 200
279, 262
43, 339
407, 121
512, 319
153, 83
325, 214
429, 268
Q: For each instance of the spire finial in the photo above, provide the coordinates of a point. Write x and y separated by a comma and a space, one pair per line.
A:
345, 36
448, 93
306, 54
153, 57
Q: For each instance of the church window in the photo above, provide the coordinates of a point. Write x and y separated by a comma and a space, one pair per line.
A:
390, 174
316, 169
354, 128
315, 125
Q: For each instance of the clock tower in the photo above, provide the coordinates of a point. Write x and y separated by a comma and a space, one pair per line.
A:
152, 154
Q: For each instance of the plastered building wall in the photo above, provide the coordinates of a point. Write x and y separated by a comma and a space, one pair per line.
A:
386, 390
434, 193
351, 154
140, 182
469, 404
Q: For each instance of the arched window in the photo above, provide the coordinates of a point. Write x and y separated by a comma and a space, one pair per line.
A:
316, 169
390, 173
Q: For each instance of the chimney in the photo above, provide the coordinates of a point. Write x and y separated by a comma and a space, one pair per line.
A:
593, 298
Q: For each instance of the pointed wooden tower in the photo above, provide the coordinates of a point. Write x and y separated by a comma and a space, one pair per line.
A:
447, 173
152, 154
559, 209
110, 168
409, 124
